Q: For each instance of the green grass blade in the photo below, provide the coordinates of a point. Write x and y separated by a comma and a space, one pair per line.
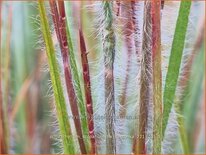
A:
76, 77
81, 104
62, 117
157, 75
175, 60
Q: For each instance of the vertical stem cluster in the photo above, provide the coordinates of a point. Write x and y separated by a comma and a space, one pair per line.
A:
63, 121
88, 94
109, 55
76, 78
59, 18
145, 81
157, 75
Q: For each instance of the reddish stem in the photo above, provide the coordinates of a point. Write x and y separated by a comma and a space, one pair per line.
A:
87, 88
60, 27
128, 33
157, 75
145, 82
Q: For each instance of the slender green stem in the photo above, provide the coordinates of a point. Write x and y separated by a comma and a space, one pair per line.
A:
59, 19
175, 61
69, 82
157, 76
76, 77
62, 117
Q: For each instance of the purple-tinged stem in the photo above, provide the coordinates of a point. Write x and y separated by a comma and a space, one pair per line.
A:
88, 95
60, 24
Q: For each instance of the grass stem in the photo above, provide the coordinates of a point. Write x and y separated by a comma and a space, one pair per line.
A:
109, 55
175, 61
145, 81
59, 19
88, 94
65, 130
157, 75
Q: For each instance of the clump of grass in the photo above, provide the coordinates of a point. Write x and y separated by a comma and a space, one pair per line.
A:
129, 53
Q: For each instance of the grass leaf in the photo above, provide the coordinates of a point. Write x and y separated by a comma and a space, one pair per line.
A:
175, 61
62, 117
77, 85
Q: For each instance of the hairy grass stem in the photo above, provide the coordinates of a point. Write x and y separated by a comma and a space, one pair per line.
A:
157, 75
88, 94
109, 55
59, 19
68, 145
175, 61
145, 81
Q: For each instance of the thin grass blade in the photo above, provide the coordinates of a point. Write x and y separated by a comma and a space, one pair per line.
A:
59, 19
175, 61
68, 145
